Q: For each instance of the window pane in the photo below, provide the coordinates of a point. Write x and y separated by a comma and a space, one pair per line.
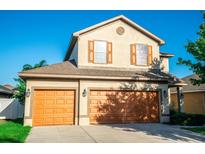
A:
100, 48
142, 54
99, 57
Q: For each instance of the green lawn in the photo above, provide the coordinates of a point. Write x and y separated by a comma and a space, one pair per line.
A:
200, 130
13, 131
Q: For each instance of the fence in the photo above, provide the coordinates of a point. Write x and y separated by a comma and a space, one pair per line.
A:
10, 109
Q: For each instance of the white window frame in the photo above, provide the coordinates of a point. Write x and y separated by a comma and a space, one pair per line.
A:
138, 54
96, 62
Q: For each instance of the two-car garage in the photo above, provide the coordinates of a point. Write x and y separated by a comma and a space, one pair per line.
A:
57, 107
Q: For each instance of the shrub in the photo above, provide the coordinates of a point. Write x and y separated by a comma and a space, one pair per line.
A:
186, 119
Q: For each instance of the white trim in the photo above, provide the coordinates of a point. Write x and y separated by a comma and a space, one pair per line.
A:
204, 101
84, 77
190, 91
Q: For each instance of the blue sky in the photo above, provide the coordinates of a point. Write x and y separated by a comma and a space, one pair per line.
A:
30, 36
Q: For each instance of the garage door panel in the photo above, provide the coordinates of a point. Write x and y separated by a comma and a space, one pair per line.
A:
67, 110
39, 93
48, 114
60, 101
39, 111
60, 93
64, 115
60, 110
68, 120
123, 106
107, 110
69, 93
53, 107
63, 106
49, 111
70, 101
49, 101
106, 118
39, 101
49, 93
57, 121
39, 107
39, 118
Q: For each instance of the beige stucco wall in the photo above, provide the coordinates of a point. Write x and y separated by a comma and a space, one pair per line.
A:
35, 84
165, 64
194, 102
86, 84
92, 84
120, 43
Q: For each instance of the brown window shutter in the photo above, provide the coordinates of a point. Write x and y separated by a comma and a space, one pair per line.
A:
109, 52
91, 51
149, 55
133, 54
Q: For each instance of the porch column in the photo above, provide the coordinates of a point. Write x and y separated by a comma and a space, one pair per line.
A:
180, 98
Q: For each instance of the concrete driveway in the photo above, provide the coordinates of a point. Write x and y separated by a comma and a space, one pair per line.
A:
127, 133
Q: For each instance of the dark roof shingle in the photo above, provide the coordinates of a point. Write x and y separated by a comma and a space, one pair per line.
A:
190, 87
67, 68
5, 90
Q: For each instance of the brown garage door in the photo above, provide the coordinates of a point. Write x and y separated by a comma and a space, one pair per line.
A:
53, 107
123, 107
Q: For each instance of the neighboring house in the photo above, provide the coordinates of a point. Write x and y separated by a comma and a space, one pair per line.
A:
110, 74
9, 86
10, 108
6, 92
194, 97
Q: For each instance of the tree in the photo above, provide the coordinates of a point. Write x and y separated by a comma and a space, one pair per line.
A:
21, 84
197, 49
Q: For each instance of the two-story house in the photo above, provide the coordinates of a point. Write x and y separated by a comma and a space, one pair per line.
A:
111, 74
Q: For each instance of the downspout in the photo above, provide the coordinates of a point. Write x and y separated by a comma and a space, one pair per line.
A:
78, 122
204, 102
178, 100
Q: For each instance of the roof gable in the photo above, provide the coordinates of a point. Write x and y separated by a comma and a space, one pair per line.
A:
122, 18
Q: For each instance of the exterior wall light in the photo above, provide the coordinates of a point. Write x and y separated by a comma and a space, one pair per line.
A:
84, 93
182, 95
165, 94
28, 92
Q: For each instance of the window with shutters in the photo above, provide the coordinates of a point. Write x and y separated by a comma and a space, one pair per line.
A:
141, 54
100, 52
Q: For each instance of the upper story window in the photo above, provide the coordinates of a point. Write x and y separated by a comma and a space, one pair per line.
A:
141, 54
100, 52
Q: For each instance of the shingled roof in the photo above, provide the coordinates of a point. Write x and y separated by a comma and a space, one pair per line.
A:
166, 54
71, 71
190, 87
5, 90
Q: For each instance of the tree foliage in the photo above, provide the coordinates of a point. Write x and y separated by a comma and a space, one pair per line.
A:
197, 49
21, 84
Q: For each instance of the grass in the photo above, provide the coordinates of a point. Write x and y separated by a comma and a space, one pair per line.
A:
200, 130
13, 131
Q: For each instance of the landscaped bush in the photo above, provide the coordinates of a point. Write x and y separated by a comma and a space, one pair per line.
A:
186, 119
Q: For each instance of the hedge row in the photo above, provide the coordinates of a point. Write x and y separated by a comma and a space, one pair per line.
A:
186, 119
